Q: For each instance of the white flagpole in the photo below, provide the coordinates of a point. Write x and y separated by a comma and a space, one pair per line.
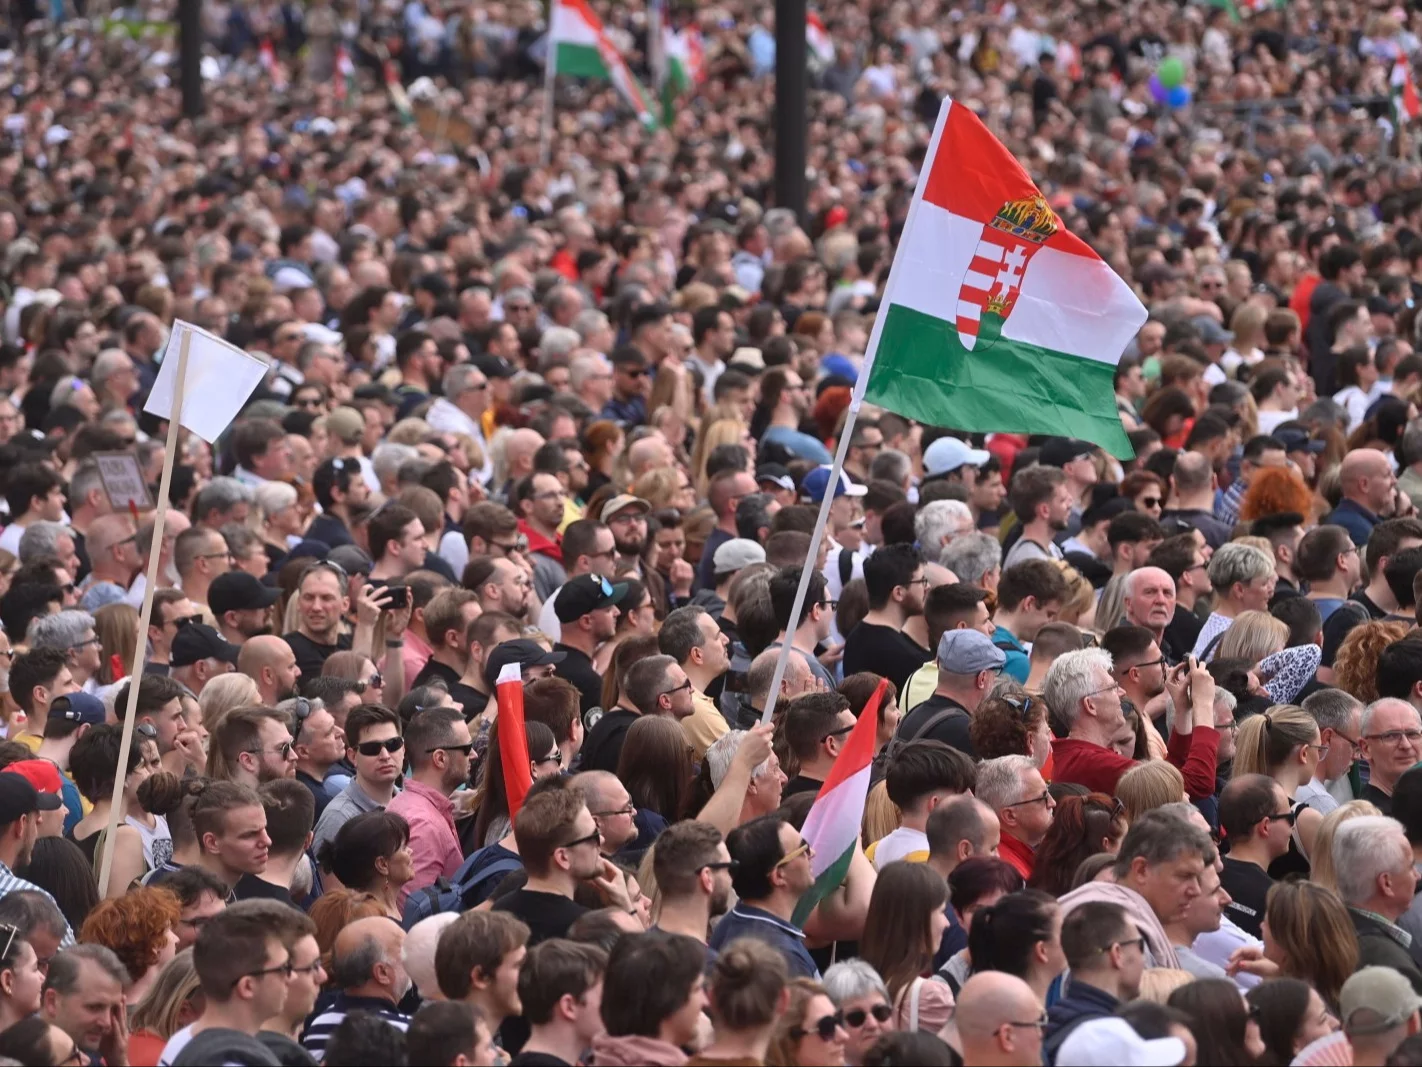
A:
155, 554
856, 401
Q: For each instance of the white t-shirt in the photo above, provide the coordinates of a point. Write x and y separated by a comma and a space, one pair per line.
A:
548, 617
174, 1048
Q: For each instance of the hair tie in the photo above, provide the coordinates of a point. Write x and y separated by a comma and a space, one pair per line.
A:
1268, 722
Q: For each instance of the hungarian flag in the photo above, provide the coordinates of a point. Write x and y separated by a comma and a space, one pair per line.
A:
682, 68
577, 46
1253, 7
345, 73
995, 316
832, 826
513, 738
818, 40
266, 55
396, 89
1405, 104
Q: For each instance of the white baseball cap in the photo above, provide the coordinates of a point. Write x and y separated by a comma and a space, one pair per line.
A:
1110, 1042
949, 453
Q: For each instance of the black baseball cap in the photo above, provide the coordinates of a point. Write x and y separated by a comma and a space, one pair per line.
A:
494, 366
587, 592
196, 641
522, 651
239, 591
17, 797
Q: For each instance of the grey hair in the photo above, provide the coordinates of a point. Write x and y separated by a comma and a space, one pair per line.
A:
971, 556
355, 967
1412, 443
723, 751
42, 539
106, 365
63, 976
582, 368
1224, 698
1366, 726
29, 910
457, 379
589, 321
940, 519
891, 465
1000, 780
274, 496
762, 673
851, 979
1363, 849
222, 493
418, 953
62, 630
1071, 678
84, 481
65, 390
1159, 837
558, 341
1330, 708
389, 457
1237, 562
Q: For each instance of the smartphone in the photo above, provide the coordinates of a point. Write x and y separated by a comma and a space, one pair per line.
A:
399, 597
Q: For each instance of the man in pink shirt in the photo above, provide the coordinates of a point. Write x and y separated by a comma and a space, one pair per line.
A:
438, 745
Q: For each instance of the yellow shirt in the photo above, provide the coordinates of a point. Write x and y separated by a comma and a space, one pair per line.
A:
705, 725
29, 740
572, 512
904, 843
921, 685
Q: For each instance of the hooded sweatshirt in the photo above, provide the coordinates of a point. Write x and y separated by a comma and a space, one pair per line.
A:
634, 1050
1161, 952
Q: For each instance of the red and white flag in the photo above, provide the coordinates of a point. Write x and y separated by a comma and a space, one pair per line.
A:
267, 55
513, 738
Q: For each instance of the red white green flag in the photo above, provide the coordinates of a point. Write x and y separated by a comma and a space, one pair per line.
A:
833, 824
578, 46
266, 55
1405, 104
817, 38
996, 318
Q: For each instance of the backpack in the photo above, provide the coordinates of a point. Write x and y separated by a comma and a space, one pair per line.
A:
450, 894
898, 741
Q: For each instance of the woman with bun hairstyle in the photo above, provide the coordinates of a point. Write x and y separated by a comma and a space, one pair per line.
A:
171, 798
746, 991
1284, 744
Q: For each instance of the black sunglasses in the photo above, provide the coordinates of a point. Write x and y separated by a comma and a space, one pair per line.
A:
374, 748
466, 749
823, 1028
858, 1017
594, 838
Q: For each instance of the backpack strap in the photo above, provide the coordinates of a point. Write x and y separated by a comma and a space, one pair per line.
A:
846, 567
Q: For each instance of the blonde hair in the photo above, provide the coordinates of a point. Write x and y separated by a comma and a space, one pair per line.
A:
1080, 594
1321, 859
409, 431
714, 432
1157, 983
161, 1007
1149, 785
1252, 636
223, 693
657, 487
881, 815
1267, 741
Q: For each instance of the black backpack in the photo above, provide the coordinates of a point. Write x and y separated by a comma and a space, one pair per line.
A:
450, 894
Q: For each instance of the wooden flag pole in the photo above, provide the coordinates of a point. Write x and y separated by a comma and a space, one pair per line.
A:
155, 554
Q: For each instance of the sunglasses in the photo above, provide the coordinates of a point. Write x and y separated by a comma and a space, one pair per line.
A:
594, 838
374, 748
823, 1028
186, 620
466, 749
283, 750
794, 854
519, 544
858, 1017
1150, 501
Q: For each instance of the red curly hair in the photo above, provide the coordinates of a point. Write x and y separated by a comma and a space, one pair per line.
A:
135, 926
1274, 490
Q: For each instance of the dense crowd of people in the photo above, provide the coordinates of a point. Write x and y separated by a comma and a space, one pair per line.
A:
1147, 782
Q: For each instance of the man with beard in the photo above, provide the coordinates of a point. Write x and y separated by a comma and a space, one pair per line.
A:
897, 587
1043, 504
693, 871
1139, 668
587, 611
588, 548
1150, 603
270, 662
241, 605
113, 556
626, 517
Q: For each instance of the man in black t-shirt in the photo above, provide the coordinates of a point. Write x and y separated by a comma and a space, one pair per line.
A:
968, 663
1257, 821
587, 611
894, 579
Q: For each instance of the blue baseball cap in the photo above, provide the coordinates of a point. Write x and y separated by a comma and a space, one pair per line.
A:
817, 481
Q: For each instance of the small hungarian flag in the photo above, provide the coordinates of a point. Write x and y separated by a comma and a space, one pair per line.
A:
682, 69
818, 40
1405, 104
1254, 7
833, 824
396, 90
345, 73
513, 738
577, 46
995, 316
266, 55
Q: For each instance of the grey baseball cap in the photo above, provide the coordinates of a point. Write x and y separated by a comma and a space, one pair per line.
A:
968, 652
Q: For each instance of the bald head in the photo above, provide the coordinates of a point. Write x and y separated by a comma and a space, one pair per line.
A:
263, 651
521, 446
797, 678
598, 788
366, 957
419, 952
107, 531
987, 1004
1363, 463
648, 453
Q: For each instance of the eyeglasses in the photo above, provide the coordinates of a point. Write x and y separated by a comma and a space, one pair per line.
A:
1150, 501
1113, 687
328, 565
1150, 663
96, 642
556, 757
374, 748
1395, 737
823, 1028
721, 865
1139, 942
311, 968
185, 620
146, 730
466, 749
841, 731
794, 854
916, 581
283, 969
1322, 751
1284, 816
830, 604
301, 710
594, 838
283, 750
858, 1017
1045, 800
1342, 737
630, 809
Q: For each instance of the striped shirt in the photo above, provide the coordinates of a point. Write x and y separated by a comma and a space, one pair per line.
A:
9, 883
322, 1025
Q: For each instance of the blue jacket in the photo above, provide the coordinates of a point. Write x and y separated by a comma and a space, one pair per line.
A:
1082, 1002
1354, 518
746, 920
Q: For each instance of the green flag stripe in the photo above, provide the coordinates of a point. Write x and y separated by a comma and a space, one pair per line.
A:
580, 61
923, 372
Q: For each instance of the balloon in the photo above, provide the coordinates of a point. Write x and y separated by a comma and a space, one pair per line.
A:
1158, 92
1178, 96
1171, 72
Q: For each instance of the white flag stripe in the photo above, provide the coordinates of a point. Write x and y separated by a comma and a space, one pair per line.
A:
1066, 303
568, 27
510, 672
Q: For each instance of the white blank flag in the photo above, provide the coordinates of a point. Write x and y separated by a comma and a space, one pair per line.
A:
220, 378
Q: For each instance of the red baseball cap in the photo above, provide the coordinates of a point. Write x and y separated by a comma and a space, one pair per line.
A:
44, 776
